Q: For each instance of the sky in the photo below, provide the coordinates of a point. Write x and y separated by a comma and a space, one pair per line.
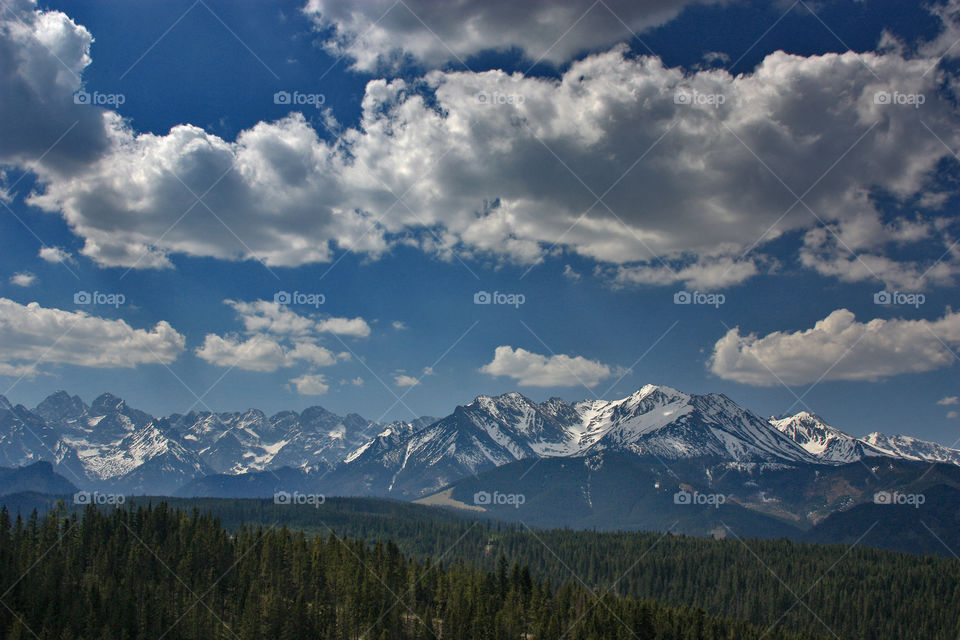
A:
390, 208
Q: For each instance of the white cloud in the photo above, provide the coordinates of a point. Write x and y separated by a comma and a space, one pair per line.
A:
493, 176
54, 254
262, 352
272, 317
953, 414
311, 384
404, 380
571, 274
277, 337
854, 250
32, 336
381, 33
399, 326
535, 370
23, 279
948, 400
357, 382
354, 327
704, 273
42, 57
838, 348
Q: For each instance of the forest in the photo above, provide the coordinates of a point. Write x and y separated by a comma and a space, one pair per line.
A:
156, 572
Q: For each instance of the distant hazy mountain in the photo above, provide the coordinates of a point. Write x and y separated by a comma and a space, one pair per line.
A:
38, 477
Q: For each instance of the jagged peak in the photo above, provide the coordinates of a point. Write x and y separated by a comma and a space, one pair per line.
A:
107, 401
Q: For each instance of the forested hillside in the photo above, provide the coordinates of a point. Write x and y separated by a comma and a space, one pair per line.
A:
160, 573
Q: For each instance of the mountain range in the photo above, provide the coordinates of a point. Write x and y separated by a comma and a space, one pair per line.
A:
797, 469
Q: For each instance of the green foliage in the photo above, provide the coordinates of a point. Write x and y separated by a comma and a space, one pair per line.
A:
855, 592
155, 572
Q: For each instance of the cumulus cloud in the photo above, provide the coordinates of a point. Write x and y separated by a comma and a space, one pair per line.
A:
381, 33
32, 336
311, 384
399, 325
621, 159
948, 400
277, 337
354, 327
273, 317
42, 57
855, 250
838, 348
23, 279
534, 370
54, 254
262, 353
403, 380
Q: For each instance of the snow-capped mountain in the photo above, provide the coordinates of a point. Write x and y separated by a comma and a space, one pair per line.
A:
662, 421
109, 444
493, 431
822, 441
486, 433
234, 443
912, 448
829, 444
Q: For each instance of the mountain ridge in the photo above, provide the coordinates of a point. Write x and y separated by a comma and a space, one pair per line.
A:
110, 445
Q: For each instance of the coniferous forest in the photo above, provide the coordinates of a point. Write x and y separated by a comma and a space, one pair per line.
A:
248, 567
155, 572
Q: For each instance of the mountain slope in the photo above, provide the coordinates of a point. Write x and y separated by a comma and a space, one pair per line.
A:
38, 477
829, 444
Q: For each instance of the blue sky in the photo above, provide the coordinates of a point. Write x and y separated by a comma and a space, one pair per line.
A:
789, 160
